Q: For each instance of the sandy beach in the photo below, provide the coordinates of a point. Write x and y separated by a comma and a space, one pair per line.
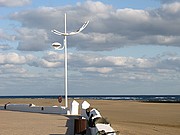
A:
128, 117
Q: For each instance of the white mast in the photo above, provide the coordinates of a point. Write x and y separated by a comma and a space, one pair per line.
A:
58, 46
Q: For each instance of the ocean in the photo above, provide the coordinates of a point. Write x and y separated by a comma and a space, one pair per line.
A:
143, 98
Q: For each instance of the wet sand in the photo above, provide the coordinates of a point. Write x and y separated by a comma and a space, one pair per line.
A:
128, 117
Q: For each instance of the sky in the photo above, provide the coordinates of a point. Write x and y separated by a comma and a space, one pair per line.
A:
130, 47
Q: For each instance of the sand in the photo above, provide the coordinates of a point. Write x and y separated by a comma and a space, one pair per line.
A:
128, 117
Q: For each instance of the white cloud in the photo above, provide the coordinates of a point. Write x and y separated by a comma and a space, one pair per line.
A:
5, 36
47, 64
125, 67
108, 29
96, 7
11, 69
138, 16
53, 56
172, 7
14, 3
90, 67
102, 70
32, 39
5, 47
110, 66
12, 58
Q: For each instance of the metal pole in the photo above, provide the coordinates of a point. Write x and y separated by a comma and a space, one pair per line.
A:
58, 46
65, 64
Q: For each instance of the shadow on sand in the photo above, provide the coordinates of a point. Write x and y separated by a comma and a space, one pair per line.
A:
70, 126
56, 134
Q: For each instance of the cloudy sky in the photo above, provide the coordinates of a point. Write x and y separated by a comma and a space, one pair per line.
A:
129, 47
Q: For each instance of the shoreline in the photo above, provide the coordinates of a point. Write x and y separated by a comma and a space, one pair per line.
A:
70, 98
160, 102
128, 117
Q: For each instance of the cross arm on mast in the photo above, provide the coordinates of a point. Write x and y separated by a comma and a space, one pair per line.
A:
71, 33
80, 29
58, 32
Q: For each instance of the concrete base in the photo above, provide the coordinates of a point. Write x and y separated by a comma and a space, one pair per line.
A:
35, 109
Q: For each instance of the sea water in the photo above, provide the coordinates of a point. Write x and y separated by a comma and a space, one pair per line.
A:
143, 98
